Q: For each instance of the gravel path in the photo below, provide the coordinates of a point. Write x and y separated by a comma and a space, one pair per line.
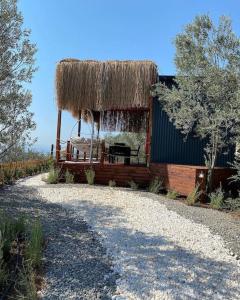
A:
76, 263
159, 250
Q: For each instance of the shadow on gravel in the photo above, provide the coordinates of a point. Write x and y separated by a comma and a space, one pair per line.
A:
76, 264
154, 263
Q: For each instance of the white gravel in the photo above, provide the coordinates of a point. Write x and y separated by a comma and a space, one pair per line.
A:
158, 253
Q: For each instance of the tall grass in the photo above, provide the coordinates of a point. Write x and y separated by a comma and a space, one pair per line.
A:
172, 194
3, 271
217, 198
35, 245
26, 287
21, 246
133, 185
112, 183
10, 172
69, 177
90, 176
52, 176
194, 196
156, 185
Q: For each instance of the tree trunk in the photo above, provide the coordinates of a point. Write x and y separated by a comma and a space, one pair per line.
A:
212, 162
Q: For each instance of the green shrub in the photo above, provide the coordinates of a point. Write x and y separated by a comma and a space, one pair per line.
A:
133, 185
53, 176
194, 196
20, 225
232, 204
8, 234
90, 176
31, 256
9, 177
69, 177
21, 173
2, 180
3, 270
217, 198
35, 245
11, 171
30, 171
156, 185
49, 164
112, 183
26, 286
171, 194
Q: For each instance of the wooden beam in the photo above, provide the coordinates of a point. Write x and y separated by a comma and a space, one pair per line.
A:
149, 132
79, 129
149, 127
129, 109
59, 120
51, 153
68, 151
103, 150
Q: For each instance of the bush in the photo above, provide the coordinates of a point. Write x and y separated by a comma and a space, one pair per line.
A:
90, 176
112, 183
26, 286
9, 177
156, 185
2, 180
20, 173
3, 270
133, 185
53, 176
9, 172
232, 204
171, 194
15, 233
217, 198
193, 197
69, 177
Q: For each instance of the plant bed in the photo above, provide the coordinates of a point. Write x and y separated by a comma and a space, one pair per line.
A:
21, 245
10, 172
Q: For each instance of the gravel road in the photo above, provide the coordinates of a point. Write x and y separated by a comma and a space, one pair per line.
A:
76, 263
160, 249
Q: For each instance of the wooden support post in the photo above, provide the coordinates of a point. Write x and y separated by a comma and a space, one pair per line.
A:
148, 133
58, 135
68, 151
98, 131
149, 126
79, 129
73, 151
102, 152
51, 153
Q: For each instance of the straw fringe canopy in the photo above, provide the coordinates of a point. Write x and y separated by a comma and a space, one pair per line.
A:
103, 86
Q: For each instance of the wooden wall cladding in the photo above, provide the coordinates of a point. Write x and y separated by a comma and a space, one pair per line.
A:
176, 177
122, 174
181, 178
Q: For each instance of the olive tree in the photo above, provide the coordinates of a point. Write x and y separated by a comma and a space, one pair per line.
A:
16, 70
206, 98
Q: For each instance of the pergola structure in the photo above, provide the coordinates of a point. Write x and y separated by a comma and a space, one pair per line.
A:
115, 95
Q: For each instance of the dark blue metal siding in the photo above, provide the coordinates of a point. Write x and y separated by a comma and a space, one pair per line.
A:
169, 145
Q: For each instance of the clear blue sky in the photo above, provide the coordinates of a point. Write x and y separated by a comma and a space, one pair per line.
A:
105, 29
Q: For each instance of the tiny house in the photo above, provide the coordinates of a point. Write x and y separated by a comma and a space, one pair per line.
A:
115, 96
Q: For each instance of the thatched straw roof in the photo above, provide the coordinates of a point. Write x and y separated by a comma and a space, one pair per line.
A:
102, 86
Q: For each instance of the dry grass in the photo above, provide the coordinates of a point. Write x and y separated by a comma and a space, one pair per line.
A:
102, 86
9, 172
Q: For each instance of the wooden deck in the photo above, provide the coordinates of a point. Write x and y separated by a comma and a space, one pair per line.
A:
121, 173
182, 178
